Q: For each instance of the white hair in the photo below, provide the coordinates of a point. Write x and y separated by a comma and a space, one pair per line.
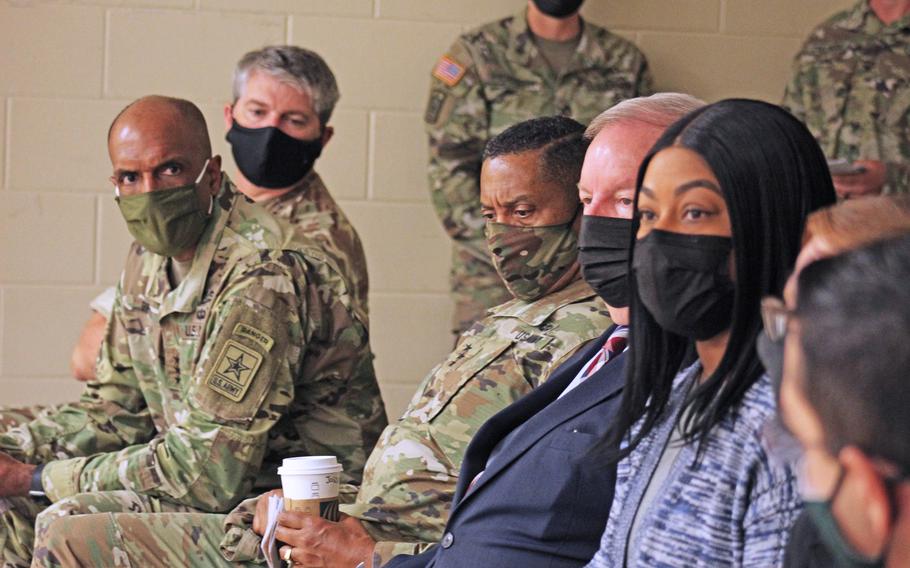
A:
659, 110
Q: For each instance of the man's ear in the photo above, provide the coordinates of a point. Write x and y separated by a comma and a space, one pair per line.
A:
216, 174
869, 490
228, 116
327, 134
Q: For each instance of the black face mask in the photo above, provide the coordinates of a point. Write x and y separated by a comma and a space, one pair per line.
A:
603, 252
270, 158
558, 8
684, 282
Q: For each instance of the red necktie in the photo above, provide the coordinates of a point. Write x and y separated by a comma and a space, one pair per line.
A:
614, 345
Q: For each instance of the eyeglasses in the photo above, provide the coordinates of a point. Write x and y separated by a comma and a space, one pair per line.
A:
775, 315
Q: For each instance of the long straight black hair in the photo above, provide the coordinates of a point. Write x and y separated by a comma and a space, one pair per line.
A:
772, 175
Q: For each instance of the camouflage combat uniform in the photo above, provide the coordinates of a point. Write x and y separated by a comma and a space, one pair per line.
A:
851, 86
202, 386
313, 213
491, 78
410, 478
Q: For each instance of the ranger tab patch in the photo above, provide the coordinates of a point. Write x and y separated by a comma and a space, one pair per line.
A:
449, 71
234, 370
254, 335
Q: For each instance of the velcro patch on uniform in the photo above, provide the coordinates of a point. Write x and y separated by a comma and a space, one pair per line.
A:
449, 71
234, 370
254, 335
434, 105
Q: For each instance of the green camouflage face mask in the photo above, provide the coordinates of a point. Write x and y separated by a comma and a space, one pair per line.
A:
531, 260
167, 221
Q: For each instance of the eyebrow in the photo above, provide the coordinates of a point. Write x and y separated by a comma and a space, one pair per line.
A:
512, 202
689, 185
252, 101
170, 159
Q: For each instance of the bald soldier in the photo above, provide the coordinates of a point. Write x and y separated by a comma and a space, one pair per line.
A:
409, 482
202, 376
544, 60
277, 124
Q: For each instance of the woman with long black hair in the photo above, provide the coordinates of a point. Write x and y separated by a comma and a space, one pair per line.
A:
721, 203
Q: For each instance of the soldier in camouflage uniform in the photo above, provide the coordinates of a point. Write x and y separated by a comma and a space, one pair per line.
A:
284, 97
495, 76
851, 86
224, 353
410, 478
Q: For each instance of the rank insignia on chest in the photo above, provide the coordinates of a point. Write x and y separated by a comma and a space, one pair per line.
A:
449, 71
234, 370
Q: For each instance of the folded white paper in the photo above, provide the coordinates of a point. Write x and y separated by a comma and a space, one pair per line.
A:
269, 546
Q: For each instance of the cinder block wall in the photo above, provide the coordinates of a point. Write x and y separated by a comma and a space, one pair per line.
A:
67, 67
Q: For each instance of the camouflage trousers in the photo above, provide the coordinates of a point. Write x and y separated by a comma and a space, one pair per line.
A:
122, 529
476, 287
111, 529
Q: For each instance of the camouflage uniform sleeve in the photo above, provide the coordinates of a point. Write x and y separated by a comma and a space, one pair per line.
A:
384, 551
208, 457
240, 543
457, 125
110, 414
793, 94
897, 178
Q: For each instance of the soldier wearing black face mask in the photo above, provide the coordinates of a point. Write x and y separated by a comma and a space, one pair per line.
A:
277, 128
545, 60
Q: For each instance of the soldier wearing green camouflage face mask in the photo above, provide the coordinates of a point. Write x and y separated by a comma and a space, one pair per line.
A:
217, 362
409, 481
851, 86
528, 65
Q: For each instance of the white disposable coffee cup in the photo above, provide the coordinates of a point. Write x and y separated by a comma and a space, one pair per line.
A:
310, 485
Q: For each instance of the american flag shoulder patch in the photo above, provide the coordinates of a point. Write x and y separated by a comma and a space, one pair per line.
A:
449, 71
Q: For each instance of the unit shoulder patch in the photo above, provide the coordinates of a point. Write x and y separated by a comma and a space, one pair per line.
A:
449, 71
234, 370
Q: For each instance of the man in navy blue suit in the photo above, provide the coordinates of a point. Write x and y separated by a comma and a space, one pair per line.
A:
530, 491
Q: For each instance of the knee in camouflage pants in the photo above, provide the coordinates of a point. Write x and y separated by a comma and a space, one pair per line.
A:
109, 527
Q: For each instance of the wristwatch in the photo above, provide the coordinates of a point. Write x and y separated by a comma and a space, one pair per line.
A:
36, 487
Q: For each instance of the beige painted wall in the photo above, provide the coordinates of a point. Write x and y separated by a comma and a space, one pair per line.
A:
66, 68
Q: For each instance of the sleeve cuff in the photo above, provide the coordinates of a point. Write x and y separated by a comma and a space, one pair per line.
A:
104, 302
384, 551
247, 549
61, 478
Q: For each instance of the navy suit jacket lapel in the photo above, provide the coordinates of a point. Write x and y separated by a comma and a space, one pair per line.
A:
603, 384
507, 419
